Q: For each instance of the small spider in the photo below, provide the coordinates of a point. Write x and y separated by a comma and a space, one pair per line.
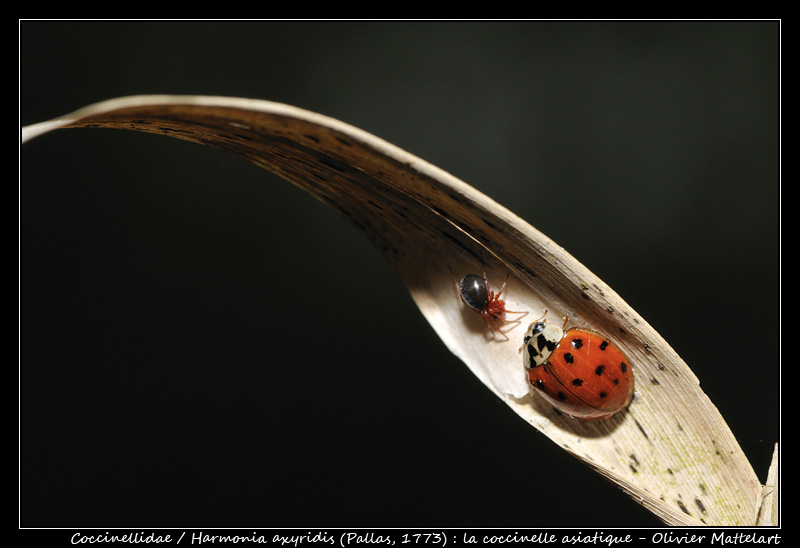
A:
474, 291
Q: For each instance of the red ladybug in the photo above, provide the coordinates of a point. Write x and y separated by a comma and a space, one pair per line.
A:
579, 372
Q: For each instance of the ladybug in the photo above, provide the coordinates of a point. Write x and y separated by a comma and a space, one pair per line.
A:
475, 292
579, 372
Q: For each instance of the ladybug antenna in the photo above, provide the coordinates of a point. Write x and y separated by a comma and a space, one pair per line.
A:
542, 317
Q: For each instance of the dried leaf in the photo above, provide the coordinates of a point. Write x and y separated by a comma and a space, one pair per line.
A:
670, 450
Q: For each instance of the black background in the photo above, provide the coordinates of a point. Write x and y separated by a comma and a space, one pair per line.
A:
202, 344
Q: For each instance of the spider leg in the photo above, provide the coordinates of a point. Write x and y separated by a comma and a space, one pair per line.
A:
455, 283
489, 292
458, 292
503, 287
497, 329
493, 297
487, 319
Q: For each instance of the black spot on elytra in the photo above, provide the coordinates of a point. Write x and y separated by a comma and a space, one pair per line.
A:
603, 345
616, 381
603, 394
568, 357
577, 343
599, 370
539, 384
561, 396
624, 367
577, 382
